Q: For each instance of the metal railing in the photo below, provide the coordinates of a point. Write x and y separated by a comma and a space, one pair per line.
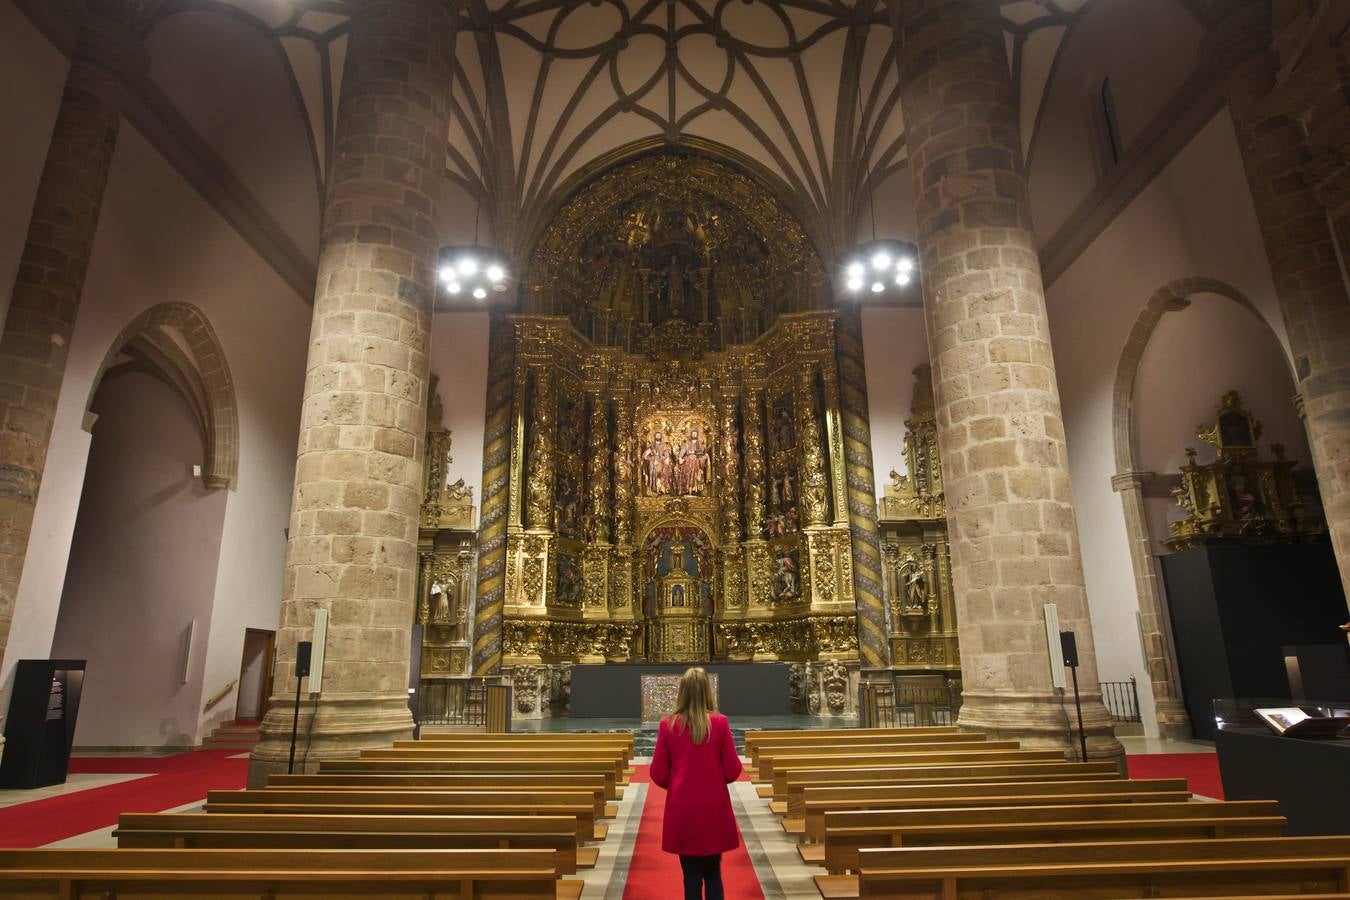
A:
1122, 700
883, 705
452, 701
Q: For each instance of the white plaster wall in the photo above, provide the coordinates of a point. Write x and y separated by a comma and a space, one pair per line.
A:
1147, 48
459, 355
32, 74
895, 343
143, 570
159, 241
1195, 219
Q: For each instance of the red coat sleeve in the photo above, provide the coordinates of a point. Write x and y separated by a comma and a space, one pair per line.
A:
731, 762
660, 770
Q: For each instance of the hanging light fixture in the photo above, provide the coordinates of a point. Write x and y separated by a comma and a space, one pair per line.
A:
474, 271
880, 267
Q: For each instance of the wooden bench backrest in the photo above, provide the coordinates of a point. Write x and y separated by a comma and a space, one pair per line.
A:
784, 768
393, 781
223, 830
1264, 878
278, 873
838, 742
1116, 851
300, 796
796, 788
598, 748
841, 844
754, 737
768, 757
472, 767
900, 819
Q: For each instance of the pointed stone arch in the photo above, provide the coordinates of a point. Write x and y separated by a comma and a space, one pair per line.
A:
175, 343
1129, 481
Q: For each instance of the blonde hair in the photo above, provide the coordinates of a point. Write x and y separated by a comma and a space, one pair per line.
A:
694, 703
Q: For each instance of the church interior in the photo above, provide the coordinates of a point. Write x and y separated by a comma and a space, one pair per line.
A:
397, 396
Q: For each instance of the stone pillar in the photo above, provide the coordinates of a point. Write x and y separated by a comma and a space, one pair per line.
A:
493, 513
47, 289
1010, 506
1173, 721
860, 489
354, 515
1300, 247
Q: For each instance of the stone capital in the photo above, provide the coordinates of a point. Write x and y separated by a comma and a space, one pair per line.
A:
1130, 481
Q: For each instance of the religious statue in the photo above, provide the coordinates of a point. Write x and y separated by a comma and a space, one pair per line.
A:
694, 464
916, 585
675, 289
658, 461
785, 585
440, 603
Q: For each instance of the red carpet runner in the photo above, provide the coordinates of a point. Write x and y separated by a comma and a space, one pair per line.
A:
1201, 770
655, 875
170, 781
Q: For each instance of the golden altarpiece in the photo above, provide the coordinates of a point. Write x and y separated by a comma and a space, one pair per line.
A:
676, 480
445, 557
916, 554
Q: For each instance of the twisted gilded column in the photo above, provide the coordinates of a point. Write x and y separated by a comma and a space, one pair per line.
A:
1301, 249
492, 520
355, 511
621, 587
1014, 539
730, 454
865, 535
597, 469
753, 418
813, 491
55, 260
539, 474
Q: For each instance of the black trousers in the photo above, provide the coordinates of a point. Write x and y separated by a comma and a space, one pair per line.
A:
702, 877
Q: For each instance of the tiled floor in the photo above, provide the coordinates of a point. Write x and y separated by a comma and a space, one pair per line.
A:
74, 783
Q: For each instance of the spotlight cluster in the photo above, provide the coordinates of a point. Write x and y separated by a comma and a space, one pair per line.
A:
879, 266
472, 271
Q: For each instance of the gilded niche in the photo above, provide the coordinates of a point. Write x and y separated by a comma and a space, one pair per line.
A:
673, 252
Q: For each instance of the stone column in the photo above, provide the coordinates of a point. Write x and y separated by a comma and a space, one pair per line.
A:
1010, 507
1300, 247
354, 515
1173, 721
47, 289
492, 518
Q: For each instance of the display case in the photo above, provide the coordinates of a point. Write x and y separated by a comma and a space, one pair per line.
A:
1309, 775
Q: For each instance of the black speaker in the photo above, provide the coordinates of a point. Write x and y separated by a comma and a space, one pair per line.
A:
1069, 645
302, 654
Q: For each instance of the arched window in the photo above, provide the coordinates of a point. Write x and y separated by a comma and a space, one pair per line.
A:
1112, 128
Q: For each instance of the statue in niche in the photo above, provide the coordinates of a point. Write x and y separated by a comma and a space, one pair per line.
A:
785, 583
694, 465
440, 603
916, 584
658, 463
675, 289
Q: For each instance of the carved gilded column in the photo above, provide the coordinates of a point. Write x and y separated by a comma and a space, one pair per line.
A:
813, 493
753, 417
543, 449
493, 513
733, 557
621, 574
597, 469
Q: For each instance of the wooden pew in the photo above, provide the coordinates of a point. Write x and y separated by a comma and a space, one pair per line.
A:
769, 756
805, 742
1109, 869
872, 757
332, 874
753, 738
785, 767
622, 740
800, 779
619, 751
537, 760
471, 767
603, 810
396, 803
398, 781
196, 831
845, 833
819, 801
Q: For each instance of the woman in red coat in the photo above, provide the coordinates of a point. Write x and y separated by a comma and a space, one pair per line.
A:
695, 759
